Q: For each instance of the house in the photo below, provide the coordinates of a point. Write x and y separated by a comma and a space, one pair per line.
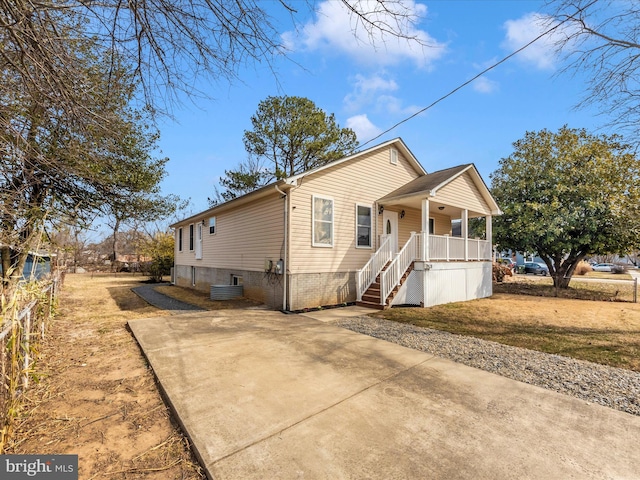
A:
372, 227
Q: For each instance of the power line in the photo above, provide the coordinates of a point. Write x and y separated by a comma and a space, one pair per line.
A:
468, 81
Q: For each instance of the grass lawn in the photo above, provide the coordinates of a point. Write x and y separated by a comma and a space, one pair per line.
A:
601, 331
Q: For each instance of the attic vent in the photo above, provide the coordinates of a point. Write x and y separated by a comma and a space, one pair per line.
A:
393, 156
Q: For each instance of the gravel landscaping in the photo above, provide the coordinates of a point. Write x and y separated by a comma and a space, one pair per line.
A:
612, 387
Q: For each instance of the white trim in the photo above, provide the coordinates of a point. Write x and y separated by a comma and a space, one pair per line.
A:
478, 182
215, 225
393, 156
199, 228
313, 221
192, 236
364, 205
180, 239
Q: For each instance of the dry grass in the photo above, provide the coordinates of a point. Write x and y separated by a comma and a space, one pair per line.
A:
598, 286
598, 331
95, 395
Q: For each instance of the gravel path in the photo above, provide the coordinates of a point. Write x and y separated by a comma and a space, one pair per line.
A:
165, 302
612, 387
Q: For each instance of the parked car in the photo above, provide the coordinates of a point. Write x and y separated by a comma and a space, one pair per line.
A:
536, 268
602, 267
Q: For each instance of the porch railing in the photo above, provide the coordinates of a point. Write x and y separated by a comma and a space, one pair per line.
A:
367, 275
439, 248
446, 248
391, 276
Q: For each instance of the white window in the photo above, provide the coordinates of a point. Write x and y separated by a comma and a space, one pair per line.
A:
393, 156
236, 280
322, 220
363, 226
193, 276
212, 225
180, 239
191, 237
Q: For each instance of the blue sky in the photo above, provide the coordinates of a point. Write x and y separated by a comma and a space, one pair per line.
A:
371, 89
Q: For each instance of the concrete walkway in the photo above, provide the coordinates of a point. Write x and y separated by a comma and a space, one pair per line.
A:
165, 302
263, 395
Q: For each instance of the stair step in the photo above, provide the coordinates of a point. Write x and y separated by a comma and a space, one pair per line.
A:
377, 306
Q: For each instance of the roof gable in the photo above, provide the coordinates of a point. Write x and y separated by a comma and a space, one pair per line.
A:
396, 143
431, 183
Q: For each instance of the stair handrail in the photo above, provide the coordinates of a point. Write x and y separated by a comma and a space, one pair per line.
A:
367, 274
390, 278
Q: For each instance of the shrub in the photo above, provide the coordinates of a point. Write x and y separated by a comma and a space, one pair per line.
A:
619, 269
583, 268
500, 271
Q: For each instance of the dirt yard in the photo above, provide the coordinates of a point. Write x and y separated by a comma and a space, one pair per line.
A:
93, 393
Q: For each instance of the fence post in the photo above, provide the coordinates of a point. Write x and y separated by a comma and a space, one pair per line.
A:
635, 289
26, 332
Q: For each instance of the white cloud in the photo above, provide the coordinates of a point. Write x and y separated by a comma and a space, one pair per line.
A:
542, 53
484, 85
367, 89
335, 29
364, 128
375, 92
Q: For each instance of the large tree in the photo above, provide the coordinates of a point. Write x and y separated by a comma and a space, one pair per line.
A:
171, 44
290, 135
601, 39
566, 195
57, 164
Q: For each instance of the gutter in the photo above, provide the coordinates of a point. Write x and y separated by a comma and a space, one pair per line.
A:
285, 260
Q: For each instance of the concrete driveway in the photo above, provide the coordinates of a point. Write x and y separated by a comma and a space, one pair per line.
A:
266, 395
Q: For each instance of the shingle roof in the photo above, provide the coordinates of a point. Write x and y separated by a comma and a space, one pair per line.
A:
426, 183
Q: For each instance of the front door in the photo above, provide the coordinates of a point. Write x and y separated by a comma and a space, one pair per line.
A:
390, 227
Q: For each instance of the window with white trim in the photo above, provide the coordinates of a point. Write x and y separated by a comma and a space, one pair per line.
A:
393, 156
212, 225
180, 239
363, 226
191, 237
322, 221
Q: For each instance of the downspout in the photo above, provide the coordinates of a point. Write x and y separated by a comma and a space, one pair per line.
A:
285, 292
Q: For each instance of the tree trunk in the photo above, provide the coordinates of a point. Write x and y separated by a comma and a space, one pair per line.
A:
116, 227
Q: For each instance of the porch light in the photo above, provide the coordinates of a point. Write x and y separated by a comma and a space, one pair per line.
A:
380, 210
402, 214
440, 208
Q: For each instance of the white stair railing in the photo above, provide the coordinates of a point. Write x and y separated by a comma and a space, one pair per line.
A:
398, 266
367, 274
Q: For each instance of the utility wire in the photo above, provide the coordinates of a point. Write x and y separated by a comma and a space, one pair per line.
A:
469, 81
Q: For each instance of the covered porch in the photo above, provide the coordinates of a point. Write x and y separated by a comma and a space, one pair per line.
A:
441, 218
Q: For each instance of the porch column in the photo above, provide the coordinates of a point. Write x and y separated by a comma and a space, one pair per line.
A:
489, 233
425, 230
465, 233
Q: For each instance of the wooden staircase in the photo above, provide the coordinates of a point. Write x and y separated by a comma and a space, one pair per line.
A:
371, 298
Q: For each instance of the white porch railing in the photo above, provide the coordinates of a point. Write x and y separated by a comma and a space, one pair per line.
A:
440, 248
446, 248
367, 275
391, 276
